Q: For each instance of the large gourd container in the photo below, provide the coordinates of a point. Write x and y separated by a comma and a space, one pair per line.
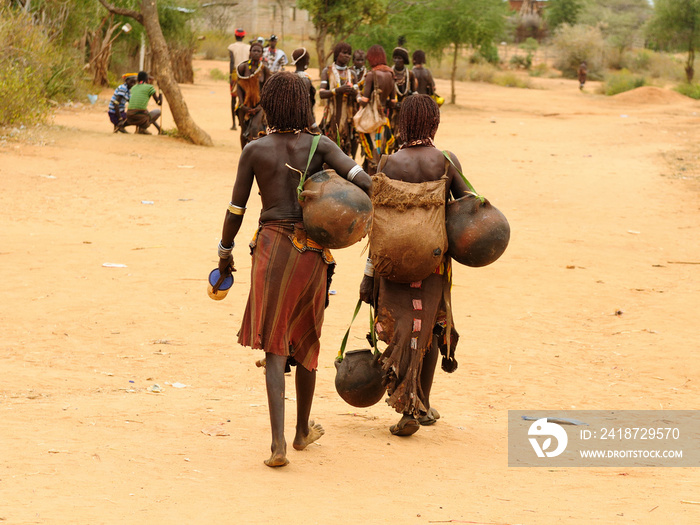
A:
477, 232
337, 213
358, 378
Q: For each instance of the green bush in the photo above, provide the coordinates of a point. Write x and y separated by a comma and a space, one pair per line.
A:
667, 66
638, 60
621, 81
217, 74
542, 70
33, 70
654, 64
689, 90
478, 73
521, 62
489, 52
530, 45
509, 79
215, 45
23, 70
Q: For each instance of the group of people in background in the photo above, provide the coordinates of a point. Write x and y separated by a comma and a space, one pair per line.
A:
350, 82
136, 91
266, 60
348, 85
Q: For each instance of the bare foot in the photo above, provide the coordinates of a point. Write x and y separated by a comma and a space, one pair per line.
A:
315, 432
277, 459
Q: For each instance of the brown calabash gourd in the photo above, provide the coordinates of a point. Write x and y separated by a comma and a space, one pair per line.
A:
337, 213
358, 378
477, 232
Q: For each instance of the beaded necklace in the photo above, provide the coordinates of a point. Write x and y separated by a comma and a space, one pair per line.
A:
275, 130
403, 80
340, 80
428, 142
295, 131
250, 63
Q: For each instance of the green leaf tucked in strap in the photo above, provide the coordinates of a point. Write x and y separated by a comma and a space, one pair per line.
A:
312, 151
347, 333
469, 185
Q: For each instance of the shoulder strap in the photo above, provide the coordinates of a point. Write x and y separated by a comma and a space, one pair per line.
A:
312, 151
471, 188
341, 352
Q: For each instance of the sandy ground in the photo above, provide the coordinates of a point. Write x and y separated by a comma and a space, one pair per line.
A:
602, 198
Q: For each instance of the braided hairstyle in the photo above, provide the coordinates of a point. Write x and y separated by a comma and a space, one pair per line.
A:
341, 47
419, 118
285, 99
376, 56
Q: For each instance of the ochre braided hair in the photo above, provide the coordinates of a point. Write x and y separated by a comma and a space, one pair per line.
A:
285, 99
376, 56
419, 118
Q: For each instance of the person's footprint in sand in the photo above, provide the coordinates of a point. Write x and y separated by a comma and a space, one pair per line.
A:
315, 432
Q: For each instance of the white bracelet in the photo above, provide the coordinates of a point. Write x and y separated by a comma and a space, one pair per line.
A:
369, 268
353, 172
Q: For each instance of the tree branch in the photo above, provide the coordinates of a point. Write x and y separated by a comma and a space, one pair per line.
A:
123, 12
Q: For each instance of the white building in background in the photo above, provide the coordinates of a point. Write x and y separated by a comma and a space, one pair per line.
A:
260, 18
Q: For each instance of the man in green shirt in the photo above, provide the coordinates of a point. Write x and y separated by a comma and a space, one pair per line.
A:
138, 114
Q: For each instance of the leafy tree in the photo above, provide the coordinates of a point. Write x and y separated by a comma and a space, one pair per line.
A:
339, 19
459, 24
34, 67
174, 17
575, 44
147, 16
560, 12
676, 24
396, 25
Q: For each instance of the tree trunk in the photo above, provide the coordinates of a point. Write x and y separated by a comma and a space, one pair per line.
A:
166, 80
689, 70
453, 97
148, 17
321, 33
100, 62
181, 58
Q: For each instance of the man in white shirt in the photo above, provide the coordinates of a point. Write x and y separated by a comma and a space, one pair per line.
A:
237, 52
275, 59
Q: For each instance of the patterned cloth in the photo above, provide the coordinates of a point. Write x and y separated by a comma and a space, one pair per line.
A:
275, 59
376, 144
337, 122
116, 105
290, 277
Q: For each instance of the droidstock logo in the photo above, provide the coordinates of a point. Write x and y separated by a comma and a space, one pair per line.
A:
542, 428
